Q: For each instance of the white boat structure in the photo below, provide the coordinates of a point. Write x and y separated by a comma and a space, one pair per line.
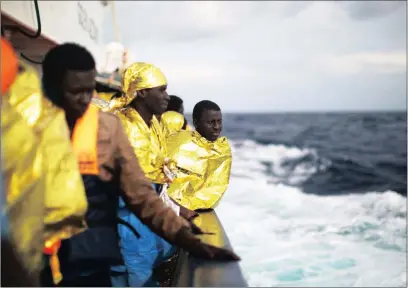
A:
33, 27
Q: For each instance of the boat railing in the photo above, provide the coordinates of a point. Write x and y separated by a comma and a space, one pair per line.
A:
194, 272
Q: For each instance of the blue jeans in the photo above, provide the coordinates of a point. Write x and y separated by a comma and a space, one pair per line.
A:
140, 255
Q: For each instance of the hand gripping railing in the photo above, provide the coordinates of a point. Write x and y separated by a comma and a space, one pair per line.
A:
194, 272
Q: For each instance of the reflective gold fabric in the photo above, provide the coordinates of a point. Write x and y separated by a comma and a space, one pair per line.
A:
100, 103
189, 128
171, 122
139, 76
203, 169
148, 143
105, 96
24, 185
65, 199
136, 77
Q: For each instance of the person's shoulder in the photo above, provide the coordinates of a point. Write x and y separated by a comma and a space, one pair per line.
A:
109, 122
178, 141
182, 135
224, 144
108, 117
224, 140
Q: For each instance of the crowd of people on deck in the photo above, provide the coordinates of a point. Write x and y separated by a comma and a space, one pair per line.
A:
102, 192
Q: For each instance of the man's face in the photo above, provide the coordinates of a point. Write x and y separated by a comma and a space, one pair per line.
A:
77, 91
156, 99
209, 125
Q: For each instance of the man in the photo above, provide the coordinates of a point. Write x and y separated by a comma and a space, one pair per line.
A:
21, 187
202, 180
65, 199
24, 186
110, 169
64, 206
176, 104
172, 122
144, 95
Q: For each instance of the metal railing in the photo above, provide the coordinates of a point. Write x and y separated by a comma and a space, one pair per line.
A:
194, 272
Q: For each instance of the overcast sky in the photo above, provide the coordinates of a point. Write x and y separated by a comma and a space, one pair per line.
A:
273, 56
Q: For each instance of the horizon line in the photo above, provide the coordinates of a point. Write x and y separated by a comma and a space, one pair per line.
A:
309, 111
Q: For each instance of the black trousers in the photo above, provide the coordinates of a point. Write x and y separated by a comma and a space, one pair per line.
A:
100, 278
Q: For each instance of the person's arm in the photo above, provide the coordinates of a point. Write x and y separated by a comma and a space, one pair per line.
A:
143, 201
185, 212
139, 194
151, 163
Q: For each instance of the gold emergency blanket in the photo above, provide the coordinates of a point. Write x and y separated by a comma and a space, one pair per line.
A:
105, 96
203, 169
148, 143
171, 122
24, 185
100, 103
136, 77
189, 128
65, 198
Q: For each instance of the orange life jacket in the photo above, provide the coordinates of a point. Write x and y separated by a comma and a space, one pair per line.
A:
9, 65
84, 141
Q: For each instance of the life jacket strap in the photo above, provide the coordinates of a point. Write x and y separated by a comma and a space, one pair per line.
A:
51, 249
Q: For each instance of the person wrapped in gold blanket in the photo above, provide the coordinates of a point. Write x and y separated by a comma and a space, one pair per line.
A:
172, 122
22, 187
170, 118
203, 160
144, 95
65, 202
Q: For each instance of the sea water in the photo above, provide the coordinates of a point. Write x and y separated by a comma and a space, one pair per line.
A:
318, 199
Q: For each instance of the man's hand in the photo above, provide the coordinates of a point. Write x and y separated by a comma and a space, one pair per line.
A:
190, 214
214, 253
187, 213
187, 241
196, 230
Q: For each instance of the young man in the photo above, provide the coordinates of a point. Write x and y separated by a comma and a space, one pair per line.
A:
65, 199
202, 180
144, 88
175, 104
172, 122
22, 191
109, 169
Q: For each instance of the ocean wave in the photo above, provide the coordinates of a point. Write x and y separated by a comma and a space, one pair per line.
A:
315, 173
278, 163
287, 237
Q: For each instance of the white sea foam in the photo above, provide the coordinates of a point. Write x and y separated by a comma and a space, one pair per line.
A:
288, 238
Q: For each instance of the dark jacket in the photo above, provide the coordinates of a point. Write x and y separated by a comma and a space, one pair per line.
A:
119, 174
